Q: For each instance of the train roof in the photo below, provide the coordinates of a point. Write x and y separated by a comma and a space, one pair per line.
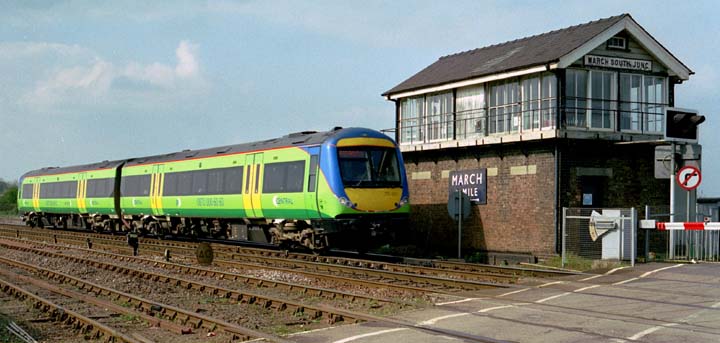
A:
73, 169
304, 138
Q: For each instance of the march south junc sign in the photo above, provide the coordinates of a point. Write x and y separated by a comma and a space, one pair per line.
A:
618, 63
471, 182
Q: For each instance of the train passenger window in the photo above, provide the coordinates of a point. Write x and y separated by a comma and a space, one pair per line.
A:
27, 191
69, 189
135, 186
233, 180
312, 175
284, 177
215, 181
99, 188
184, 183
200, 182
170, 184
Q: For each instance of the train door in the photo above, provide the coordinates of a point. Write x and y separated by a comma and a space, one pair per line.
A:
81, 192
156, 189
36, 196
311, 205
253, 185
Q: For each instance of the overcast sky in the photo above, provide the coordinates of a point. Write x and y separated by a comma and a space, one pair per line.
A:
86, 81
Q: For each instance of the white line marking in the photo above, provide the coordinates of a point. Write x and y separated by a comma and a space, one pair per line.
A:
550, 283
625, 281
350, 339
552, 297
614, 270
715, 305
657, 270
434, 321
590, 278
644, 333
586, 288
514, 292
457, 301
494, 308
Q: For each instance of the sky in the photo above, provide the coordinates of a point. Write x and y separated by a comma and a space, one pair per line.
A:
86, 81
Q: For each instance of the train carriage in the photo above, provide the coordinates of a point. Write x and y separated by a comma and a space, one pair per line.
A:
79, 194
298, 189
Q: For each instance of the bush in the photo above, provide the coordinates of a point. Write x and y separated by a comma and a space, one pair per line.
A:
8, 200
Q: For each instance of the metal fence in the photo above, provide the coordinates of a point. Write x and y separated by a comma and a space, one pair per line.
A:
611, 237
676, 244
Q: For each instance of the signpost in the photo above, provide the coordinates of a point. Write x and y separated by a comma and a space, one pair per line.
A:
688, 178
465, 187
459, 209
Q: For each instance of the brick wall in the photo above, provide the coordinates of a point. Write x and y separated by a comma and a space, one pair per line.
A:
519, 216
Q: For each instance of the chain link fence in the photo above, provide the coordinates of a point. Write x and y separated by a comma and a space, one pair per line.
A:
599, 234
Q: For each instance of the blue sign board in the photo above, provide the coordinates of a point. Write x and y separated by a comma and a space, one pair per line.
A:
471, 182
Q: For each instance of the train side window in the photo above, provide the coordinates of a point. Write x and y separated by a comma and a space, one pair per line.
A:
233, 179
284, 177
145, 185
247, 180
295, 176
69, 189
136, 185
200, 182
94, 188
312, 175
110, 187
185, 183
215, 181
27, 190
170, 184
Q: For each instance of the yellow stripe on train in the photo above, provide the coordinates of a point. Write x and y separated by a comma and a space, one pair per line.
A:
365, 142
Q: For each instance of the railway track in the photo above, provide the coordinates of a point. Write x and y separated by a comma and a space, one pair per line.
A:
174, 319
433, 274
419, 280
160, 309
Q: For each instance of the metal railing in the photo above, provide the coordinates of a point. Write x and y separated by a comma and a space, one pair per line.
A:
516, 118
695, 245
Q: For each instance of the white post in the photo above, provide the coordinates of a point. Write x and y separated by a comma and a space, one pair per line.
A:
671, 239
562, 238
460, 205
633, 235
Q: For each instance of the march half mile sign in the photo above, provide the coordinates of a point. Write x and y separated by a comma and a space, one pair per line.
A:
472, 182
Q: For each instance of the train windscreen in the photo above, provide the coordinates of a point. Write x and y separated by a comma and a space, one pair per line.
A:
369, 167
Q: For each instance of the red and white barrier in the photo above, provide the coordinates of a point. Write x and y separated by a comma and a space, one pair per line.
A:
687, 226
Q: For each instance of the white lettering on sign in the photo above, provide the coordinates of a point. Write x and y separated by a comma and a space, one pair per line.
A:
470, 182
466, 179
617, 62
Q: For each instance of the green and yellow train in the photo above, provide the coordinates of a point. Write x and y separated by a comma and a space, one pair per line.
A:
301, 189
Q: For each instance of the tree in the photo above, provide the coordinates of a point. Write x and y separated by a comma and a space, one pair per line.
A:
8, 200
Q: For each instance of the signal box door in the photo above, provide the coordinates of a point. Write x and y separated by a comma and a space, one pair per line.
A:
253, 185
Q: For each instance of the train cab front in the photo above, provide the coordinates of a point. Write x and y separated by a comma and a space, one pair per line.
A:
370, 186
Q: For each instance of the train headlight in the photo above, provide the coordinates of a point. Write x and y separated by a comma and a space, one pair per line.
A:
345, 202
403, 201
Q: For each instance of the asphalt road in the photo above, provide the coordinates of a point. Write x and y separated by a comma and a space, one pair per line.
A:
653, 302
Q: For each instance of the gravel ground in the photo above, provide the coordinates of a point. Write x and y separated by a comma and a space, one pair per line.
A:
250, 316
